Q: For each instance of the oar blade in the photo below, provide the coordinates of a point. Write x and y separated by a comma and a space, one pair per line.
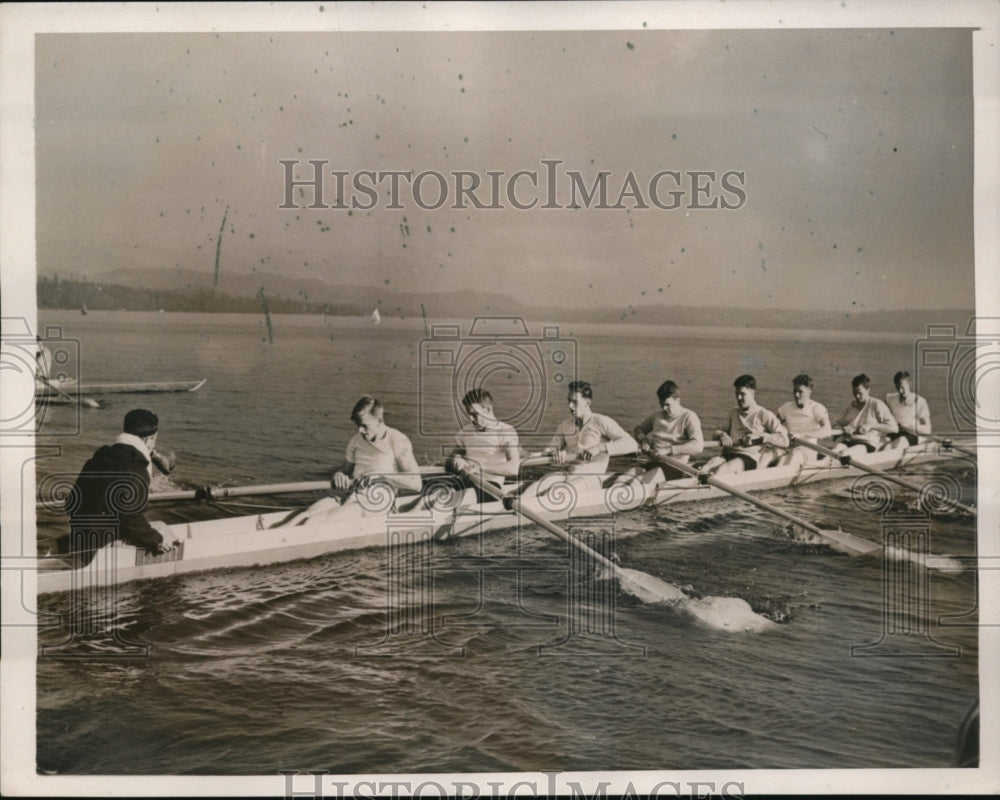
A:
842, 541
732, 614
647, 588
725, 613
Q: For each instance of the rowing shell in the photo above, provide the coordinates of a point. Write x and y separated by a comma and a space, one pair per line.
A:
71, 386
250, 540
74, 388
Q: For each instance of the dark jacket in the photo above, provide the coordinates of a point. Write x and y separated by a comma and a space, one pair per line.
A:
113, 486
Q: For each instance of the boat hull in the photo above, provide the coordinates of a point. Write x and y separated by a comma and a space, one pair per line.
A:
72, 387
250, 541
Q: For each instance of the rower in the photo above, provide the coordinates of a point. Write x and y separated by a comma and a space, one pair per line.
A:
672, 431
376, 454
866, 423
485, 446
751, 436
805, 419
910, 411
585, 443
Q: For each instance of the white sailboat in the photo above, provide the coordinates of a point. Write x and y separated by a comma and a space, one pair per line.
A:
376, 317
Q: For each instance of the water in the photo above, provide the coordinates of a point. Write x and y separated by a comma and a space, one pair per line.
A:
293, 666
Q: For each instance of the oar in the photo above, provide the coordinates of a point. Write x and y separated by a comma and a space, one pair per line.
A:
220, 492
726, 613
848, 461
948, 443
87, 401
645, 587
846, 542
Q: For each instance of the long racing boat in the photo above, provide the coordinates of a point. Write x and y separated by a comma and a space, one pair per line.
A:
444, 509
72, 387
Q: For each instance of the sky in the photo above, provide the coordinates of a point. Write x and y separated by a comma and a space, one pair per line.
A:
855, 149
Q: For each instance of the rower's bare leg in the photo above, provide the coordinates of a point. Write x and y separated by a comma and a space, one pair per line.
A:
713, 464
653, 477
769, 456
327, 508
635, 473
854, 451
899, 443
733, 466
794, 457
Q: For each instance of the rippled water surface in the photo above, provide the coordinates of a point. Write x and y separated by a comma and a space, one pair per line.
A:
492, 664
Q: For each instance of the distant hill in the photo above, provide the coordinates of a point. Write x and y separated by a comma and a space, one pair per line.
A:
190, 290
315, 292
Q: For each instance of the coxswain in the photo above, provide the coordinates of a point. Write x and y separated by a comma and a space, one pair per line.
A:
114, 484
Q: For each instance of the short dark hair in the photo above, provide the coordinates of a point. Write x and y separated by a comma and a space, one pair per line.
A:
140, 422
583, 388
802, 380
900, 376
480, 396
861, 380
366, 403
667, 389
745, 382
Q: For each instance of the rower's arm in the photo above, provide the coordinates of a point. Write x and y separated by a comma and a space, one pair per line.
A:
512, 459
641, 431
923, 416
774, 432
619, 441
342, 477
884, 421
823, 420
408, 477
695, 440
846, 419
724, 434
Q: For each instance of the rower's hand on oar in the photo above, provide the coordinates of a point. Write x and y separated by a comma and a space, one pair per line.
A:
366, 481
726, 440
457, 464
591, 453
342, 481
164, 462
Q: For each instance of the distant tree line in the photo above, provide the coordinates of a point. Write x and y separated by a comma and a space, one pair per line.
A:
79, 294
75, 294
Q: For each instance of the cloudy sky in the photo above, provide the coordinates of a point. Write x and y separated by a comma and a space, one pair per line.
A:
855, 147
